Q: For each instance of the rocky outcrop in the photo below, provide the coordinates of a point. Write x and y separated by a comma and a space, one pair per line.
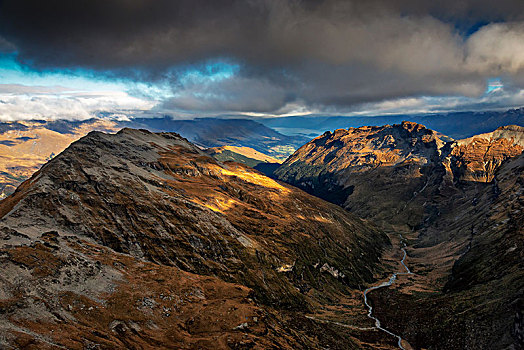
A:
141, 240
477, 158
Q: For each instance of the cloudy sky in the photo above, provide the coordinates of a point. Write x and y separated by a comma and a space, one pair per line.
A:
71, 59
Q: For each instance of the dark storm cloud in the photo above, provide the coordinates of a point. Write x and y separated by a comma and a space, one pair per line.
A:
6, 46
333, 53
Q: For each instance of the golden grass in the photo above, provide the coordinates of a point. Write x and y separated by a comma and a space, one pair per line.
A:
252, 177
248, 152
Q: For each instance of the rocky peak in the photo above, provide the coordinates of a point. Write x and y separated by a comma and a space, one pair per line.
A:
512, 128
412, 127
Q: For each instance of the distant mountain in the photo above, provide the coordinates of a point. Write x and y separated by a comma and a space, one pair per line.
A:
141, 240
459, 204
25, 146
457, 125
213, 132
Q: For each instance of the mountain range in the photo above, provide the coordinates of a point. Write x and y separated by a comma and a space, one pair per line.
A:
457, 125
216, 132
375, 237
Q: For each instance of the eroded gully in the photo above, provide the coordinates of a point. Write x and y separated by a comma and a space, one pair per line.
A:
391, 280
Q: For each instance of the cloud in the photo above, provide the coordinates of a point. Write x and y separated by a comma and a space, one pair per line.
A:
290, 55
6, 46
18, 102
234, 94
497, 49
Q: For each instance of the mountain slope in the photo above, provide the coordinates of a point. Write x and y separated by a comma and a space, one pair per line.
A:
244, 155
214, 132
459, 204
25, 146
141, 240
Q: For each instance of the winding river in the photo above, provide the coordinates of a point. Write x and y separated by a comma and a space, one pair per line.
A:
392, 280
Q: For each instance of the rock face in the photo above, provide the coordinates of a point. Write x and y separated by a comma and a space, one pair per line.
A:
141, 240
478, 157
460, 205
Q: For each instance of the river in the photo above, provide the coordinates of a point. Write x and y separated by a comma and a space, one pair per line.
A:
391, 280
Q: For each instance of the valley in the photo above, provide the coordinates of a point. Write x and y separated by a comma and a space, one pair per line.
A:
459, 206
392, 279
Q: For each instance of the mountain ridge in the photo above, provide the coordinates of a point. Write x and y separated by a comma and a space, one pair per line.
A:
137, 239
26, 145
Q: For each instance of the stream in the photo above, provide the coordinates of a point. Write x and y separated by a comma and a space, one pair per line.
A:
392, 280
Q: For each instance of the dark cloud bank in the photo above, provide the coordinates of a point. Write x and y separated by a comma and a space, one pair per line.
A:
315, 54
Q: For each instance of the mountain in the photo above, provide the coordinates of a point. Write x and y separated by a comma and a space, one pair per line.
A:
244, 155
457, 125
26, 145
373, 171
141, 240
384, 173
459, 206
214, 132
